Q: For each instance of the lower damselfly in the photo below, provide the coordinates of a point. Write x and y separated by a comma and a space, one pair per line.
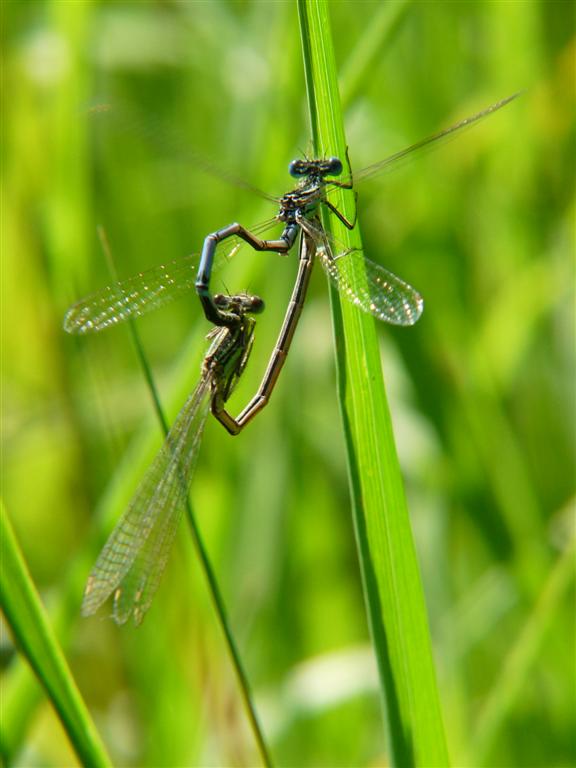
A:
134, 557
376, 291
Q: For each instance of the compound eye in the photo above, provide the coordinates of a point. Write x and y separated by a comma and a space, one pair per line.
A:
334, 166
256, 305
297, 168
221, 301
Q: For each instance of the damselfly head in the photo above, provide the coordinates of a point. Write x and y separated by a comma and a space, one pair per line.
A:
241, 303
332, 166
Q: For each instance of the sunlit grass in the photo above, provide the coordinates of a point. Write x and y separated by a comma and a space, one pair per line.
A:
480, 391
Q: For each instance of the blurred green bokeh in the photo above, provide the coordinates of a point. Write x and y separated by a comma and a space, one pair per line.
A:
482, 389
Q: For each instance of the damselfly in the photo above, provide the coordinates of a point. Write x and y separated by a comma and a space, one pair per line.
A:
134, 557
382, 294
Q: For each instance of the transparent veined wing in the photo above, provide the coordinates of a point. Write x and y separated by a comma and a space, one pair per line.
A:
376, 290
132, 297
164, 139
385, 296
132, 562
436, 139
145, 291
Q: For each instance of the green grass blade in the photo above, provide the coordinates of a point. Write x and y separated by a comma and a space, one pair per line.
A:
393, 589
29, 624
21, 695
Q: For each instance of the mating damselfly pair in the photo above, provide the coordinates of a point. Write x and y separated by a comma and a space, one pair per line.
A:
132, 561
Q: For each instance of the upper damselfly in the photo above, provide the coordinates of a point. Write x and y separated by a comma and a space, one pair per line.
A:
378, 292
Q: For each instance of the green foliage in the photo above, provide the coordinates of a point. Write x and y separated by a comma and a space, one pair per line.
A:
481, 390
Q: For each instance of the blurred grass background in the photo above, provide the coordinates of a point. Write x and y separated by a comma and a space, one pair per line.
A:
482, 389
